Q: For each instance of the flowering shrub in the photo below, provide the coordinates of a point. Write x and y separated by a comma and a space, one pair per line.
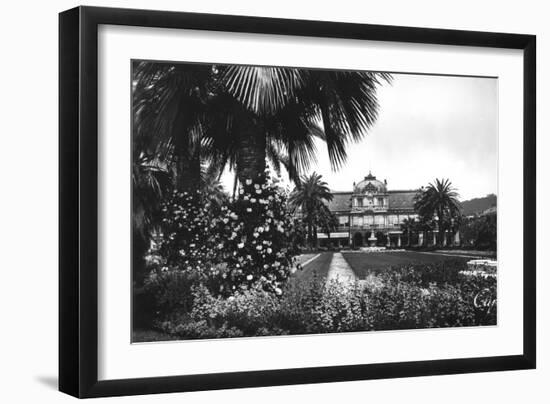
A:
248, 242
258, 238
313, 306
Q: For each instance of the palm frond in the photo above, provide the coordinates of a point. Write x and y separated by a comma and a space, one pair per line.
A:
263, 90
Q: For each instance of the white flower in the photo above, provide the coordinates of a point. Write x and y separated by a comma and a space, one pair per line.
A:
266, 266
269, 250
253, 200
257, 186
249, 277
230, 298
248, 181
259, 247
256, 234
261, 229
225, 220
240, 245
278, 291
248, 209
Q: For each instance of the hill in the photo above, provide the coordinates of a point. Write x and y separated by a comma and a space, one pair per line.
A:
478, 205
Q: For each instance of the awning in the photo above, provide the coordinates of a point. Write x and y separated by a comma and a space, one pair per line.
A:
333, 235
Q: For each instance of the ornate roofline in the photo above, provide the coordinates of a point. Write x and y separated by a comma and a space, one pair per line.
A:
393, 191
402, 191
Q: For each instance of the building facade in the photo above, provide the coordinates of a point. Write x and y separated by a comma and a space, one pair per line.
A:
372, 215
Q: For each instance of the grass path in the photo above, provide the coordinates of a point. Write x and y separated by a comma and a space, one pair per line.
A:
319, 266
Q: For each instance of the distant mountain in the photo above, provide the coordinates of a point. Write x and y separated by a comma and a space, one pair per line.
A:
479, 205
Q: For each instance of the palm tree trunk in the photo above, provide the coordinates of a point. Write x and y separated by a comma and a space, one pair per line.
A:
188, 169
315, 240
310, 234
441, 230
251, 158
187, 156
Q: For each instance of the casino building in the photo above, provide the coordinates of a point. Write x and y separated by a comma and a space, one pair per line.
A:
372, 215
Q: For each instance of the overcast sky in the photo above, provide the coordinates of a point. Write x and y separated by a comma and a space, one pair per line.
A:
428, 127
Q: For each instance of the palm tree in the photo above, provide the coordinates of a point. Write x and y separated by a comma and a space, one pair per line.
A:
439, 202
326, 221
169, 110
408, 226
243, 114
290, 104
310, 196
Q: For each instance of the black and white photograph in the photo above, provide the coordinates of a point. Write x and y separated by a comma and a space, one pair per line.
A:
271, 201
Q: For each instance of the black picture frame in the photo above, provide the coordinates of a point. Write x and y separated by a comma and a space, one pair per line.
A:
78, 201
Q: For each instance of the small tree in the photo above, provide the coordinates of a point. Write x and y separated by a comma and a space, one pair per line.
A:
480, 231
326, 221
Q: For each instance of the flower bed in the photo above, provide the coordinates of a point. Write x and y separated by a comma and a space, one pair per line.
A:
412, 297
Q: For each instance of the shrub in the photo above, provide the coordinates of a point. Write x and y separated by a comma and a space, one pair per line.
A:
416, 296
248, 242
423, 297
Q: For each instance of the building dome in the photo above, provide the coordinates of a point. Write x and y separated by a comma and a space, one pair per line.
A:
370, 185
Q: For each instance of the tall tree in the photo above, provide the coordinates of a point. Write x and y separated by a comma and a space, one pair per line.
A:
310, 196
244, 111
291, 105
169, 109
439, 202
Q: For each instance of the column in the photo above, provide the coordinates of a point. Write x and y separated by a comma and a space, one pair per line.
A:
388, 242
445, 238
434, 239
457, 238
420, 238
399, 240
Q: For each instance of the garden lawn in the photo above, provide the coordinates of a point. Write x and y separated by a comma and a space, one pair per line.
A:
318, 266
364, 264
